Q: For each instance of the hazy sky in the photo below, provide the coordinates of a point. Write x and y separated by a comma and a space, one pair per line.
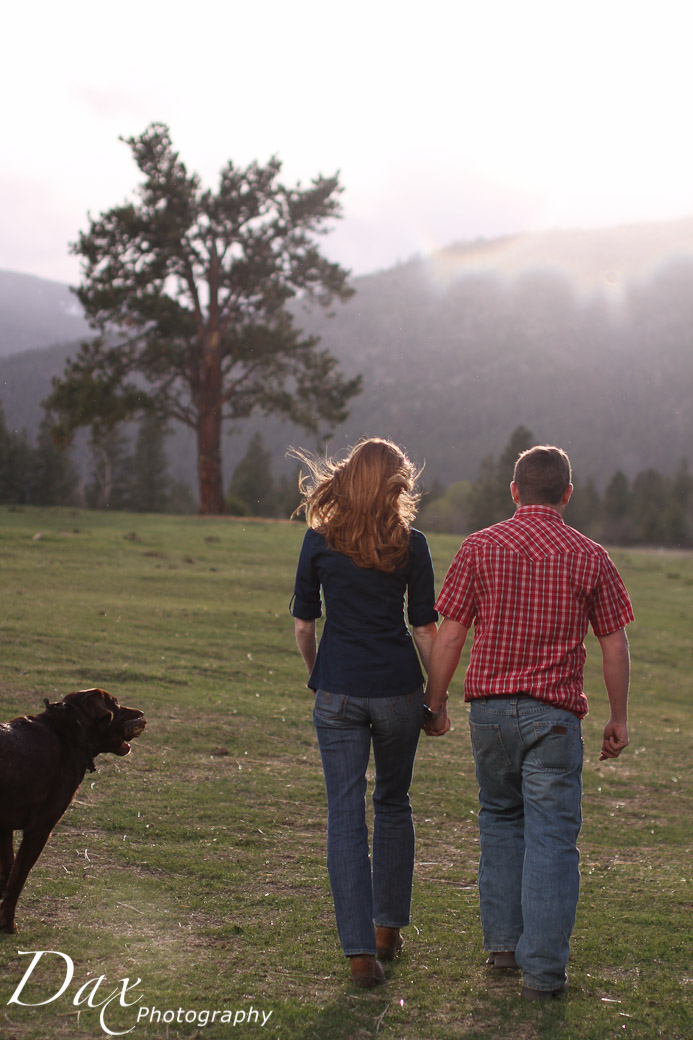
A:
448, 120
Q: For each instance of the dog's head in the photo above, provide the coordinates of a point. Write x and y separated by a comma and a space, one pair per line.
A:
110, 726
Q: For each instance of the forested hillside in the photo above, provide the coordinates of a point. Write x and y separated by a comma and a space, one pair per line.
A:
585, 338
452, 369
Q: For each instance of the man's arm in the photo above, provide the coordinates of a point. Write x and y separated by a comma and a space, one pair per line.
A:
445, 657
616, 665
306, 641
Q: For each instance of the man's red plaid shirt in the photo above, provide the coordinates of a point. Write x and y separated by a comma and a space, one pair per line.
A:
531, 585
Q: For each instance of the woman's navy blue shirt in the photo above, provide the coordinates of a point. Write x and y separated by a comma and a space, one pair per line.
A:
366, 648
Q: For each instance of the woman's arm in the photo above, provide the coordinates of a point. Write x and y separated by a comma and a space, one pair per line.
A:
424, 638
421, 597
306, 641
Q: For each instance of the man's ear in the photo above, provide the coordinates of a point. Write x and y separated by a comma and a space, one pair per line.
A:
515, 492
566, 495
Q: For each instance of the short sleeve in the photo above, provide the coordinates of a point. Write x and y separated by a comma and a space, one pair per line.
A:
610, 608
457, 599
305, 602
421, 587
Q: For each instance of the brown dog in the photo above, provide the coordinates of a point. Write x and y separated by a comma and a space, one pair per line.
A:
43, 759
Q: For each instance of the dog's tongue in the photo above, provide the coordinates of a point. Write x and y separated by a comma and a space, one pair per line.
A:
124, 749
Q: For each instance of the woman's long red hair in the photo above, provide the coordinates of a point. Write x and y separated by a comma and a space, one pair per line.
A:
363, 505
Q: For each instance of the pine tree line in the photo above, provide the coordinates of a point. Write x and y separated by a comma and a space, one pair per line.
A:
120, 475
652, 509
40, 474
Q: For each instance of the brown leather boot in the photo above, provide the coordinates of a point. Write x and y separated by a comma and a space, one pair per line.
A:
388, 942
502, 959
366, 971
544, 994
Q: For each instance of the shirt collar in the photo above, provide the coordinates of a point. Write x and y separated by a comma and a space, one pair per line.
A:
543, 512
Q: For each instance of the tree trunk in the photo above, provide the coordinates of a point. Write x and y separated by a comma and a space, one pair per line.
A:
209, 435
209, 464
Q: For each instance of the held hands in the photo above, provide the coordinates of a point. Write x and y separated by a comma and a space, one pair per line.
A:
438, 727
615, 740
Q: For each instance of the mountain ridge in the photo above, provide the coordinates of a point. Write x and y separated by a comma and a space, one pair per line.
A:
37, 312
579, 336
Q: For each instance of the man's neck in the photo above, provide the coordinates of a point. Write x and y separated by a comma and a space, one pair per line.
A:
557, 507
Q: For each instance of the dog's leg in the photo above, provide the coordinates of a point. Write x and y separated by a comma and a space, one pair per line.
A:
33, 842
6, 858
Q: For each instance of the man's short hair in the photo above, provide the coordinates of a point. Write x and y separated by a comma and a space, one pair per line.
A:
542, 475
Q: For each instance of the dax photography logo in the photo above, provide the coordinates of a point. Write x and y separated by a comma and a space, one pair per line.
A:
94, 994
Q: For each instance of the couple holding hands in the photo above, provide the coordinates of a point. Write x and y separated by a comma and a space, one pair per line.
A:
530, 586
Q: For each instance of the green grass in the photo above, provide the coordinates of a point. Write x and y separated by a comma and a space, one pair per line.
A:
197, 863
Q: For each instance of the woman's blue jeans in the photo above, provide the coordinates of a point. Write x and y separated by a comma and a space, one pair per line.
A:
528, 759
346, 726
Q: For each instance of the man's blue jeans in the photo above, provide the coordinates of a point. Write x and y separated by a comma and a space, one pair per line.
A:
528, 759
345, 727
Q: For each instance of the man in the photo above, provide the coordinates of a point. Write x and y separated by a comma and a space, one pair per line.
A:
531, 585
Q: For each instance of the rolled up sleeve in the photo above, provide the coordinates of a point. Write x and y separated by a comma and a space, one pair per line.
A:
306, 602
457, 599
610, 607
421, 588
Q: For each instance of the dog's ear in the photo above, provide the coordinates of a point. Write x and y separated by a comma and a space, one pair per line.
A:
95, 703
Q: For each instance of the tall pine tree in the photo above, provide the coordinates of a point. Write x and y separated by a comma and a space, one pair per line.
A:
189, 290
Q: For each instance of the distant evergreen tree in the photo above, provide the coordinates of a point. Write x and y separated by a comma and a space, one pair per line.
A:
520, 440
490, 499
618, 525
150, 484
54, 480
678, 516
584, 511
287, 495
650, 497
483, 497
19, 468
252, 483
4, 457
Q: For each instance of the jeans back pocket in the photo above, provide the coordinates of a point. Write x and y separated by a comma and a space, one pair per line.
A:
557, 745
488, 745
329, 707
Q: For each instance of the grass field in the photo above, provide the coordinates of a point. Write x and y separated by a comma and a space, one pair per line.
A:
197, 863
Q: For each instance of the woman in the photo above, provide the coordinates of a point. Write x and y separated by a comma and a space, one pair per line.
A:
361, 550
